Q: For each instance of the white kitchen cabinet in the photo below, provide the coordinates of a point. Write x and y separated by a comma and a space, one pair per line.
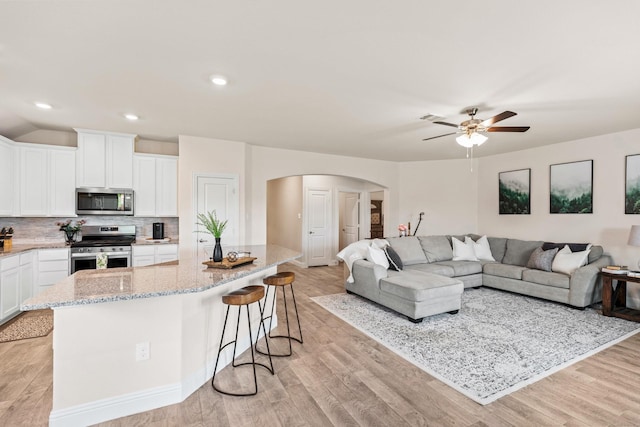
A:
153, 254
104, 159
47, 180
8, 177
53, 266
9, 286
155, 182
27, 274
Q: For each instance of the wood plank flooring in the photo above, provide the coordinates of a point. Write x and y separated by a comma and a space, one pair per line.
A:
341, 377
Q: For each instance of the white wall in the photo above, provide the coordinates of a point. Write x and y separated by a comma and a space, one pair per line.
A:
445, 190
284, 212
207, 156
269, 163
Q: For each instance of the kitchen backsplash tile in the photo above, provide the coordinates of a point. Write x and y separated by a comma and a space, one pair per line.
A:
45, 228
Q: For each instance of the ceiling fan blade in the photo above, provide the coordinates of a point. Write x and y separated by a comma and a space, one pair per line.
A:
508, 129
446, 124
495, 119
440, 136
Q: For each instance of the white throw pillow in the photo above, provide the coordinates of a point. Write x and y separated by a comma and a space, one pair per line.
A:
463, 251
377, 256
481, 248
567, 262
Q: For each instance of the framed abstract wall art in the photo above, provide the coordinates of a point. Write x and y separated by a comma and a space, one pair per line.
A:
514, 192
571, 187
632, 184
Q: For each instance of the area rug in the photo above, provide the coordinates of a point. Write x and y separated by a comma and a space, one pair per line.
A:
27, 325
498, 343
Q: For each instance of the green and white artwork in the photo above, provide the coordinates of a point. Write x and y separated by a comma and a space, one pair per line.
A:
571, 187
632, 185
514, 189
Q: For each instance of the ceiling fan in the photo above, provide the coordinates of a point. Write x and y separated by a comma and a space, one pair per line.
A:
471, 129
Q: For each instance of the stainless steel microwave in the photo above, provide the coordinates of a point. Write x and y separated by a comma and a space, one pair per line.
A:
104, 201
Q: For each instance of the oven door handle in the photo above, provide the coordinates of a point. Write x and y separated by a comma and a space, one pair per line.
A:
93, 255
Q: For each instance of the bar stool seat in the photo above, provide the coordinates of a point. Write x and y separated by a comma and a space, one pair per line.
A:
280, 281
243, 297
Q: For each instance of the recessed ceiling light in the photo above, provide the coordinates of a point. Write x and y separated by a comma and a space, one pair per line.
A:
131, 117
43, 105
219, 80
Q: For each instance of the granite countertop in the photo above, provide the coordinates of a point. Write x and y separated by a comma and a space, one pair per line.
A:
185, 276
18, 248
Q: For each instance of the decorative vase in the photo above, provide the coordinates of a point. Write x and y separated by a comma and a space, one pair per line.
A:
70, 236
217, 251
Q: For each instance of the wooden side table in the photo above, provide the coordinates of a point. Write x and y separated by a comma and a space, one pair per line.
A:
614, 302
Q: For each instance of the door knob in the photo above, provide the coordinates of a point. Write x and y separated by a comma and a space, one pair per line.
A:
311, 232
202, 241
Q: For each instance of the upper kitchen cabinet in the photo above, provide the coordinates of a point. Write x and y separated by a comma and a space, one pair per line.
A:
104, 159
8, 201
46, 180
155, 185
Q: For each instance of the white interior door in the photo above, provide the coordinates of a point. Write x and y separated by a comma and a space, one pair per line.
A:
318, 212
349, 219
219, 193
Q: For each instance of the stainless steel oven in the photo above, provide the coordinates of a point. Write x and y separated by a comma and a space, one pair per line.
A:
112, 242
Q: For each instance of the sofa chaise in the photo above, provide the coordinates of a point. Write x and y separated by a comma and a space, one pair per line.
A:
433, 276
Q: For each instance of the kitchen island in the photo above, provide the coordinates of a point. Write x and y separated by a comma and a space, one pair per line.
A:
128, 340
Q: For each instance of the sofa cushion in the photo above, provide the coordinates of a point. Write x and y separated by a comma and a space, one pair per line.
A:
519, 251
463, 251
408, 249
421, 286
567, 262
541, 259
504, 270
498, 247
481, 248
436, 248
436, 268
462, 268
546, 278
395, 263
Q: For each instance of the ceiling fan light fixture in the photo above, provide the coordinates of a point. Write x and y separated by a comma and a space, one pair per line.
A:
469, 141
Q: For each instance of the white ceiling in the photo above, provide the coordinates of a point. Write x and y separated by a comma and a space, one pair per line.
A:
344, 77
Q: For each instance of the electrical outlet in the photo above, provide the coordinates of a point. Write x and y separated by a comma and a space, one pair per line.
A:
142, 351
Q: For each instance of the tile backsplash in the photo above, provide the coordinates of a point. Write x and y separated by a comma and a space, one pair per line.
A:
29, 229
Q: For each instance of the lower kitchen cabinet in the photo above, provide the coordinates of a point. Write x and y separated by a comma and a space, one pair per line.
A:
9, 287
53, 266
153, 254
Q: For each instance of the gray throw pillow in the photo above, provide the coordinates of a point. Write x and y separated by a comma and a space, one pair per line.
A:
395, 263
541, 259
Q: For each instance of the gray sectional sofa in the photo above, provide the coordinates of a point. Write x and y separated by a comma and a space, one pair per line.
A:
431, 281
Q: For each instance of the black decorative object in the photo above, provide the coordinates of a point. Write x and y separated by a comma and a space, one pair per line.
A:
571, 187
514, 192
217, 251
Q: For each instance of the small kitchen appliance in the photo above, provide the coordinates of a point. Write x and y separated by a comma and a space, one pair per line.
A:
158, 230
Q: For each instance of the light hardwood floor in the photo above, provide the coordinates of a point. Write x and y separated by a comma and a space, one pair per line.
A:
341, 377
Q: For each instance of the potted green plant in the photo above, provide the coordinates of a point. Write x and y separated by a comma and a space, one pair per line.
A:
70, 229
215, 227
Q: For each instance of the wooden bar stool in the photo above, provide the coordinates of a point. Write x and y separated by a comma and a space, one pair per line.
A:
281, 280
243, 297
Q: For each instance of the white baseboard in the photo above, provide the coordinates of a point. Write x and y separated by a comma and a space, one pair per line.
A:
145, 400
299, 263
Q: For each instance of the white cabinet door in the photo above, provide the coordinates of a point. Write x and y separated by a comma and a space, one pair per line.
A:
166, 187
141, 261
8, 177
156, 185
90, 160
9, 286
62, 182
34, 183
144, 185
119, 161
26, 275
